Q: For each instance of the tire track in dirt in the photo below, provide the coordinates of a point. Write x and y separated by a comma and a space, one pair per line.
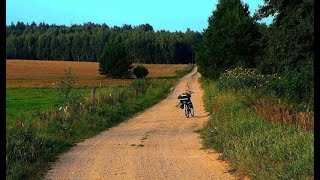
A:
156, 144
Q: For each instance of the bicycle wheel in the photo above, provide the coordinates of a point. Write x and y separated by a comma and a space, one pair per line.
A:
192, 111
186, 110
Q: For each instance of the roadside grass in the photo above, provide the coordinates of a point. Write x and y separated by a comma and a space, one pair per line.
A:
32, 144
254, 146
282, 98
185, 70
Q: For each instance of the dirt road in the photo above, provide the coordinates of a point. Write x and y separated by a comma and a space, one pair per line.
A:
157, 144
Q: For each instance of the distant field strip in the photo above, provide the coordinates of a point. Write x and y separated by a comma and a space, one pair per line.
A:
42, 73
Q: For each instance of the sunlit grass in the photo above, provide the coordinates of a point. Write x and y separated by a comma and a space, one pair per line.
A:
20, 102
274, 97
253, 145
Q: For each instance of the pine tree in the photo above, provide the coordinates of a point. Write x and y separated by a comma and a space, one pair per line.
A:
114, 62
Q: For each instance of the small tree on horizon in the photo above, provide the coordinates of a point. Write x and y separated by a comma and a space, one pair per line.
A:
114, 62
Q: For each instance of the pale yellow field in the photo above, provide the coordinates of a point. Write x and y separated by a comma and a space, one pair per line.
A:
42, 73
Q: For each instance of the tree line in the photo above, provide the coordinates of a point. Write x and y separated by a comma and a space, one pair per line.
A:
86, 42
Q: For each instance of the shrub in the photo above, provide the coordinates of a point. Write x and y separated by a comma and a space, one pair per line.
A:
140, 71
114, 62
140, 85
65, 88
243, 78
296, 87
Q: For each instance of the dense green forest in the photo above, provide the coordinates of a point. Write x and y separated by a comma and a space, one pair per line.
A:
86, 42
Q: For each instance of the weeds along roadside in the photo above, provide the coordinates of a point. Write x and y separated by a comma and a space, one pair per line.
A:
286, 98
254, 146
32, 145
185, 70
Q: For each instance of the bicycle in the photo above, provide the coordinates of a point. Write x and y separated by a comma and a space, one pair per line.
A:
186, 104
188, 109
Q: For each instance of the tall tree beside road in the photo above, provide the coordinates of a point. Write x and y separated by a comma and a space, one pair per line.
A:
230, 40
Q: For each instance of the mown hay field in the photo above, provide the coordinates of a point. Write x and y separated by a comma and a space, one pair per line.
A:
43, 73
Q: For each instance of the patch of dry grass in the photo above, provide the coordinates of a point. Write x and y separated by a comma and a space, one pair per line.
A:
42, 73
281, 113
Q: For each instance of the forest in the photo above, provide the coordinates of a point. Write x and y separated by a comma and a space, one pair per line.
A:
86, 42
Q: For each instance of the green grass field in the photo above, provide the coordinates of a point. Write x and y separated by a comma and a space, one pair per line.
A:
21, 102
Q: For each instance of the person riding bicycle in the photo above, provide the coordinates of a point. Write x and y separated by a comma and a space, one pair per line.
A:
185, 97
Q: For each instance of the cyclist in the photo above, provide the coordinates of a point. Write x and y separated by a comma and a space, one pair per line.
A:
185, 97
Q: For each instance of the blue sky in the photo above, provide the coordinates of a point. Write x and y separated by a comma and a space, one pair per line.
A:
172, 15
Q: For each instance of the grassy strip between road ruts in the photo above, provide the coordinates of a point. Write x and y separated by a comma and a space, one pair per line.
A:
253, 146
33, 144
